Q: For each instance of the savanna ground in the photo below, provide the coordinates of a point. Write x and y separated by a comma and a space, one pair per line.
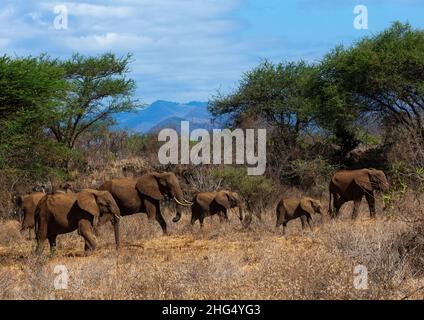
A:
225, 261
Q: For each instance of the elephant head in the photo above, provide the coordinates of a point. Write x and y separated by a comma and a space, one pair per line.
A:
99, 203
311, 206
378, 180
372, 179
158, 185
25, 207
229, 199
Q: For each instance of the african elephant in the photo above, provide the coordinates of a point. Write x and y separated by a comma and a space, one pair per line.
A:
353, 185
26, 209
292, 208
144, 195
210, 203
59, 213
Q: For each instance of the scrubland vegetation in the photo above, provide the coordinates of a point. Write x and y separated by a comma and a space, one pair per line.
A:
360, 106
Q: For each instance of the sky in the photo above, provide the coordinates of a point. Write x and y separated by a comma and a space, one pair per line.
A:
187, 50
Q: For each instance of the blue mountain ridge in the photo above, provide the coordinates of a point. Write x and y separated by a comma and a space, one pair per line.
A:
165, 114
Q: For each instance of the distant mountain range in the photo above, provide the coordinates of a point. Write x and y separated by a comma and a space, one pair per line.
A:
166, 114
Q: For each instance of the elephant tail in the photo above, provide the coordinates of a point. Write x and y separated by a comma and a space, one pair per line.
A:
37, 220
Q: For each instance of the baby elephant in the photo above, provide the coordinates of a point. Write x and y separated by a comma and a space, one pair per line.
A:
292, 208
59, 213
219, 202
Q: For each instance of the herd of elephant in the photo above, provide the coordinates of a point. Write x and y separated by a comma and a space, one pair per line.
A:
65, 211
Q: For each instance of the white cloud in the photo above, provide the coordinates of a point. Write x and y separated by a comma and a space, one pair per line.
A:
183, 49
108, 41
90, 10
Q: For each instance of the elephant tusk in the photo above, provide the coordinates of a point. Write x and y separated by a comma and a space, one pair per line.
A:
188, 202
180, 203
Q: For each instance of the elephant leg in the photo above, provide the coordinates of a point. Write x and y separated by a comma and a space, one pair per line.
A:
333, 205
280, 218
96, 231
303, 220
226, 215
356, 205
202, 217
41, 237
223, 216
284, 227
161, 221
153, 211
337, 205
371, 204
193, 219
309, 220
52, 242
85, 229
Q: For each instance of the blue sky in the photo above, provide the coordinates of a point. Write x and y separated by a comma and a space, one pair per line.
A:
188, 49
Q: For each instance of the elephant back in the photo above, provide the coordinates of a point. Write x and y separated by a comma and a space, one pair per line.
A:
291, 204
59, 203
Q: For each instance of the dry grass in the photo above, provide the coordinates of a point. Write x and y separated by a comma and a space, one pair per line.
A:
218, 262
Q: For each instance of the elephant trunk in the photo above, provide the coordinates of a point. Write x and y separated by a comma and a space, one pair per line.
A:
28, 222
116, 231
178, 215
240, 209
179, 199
116, 218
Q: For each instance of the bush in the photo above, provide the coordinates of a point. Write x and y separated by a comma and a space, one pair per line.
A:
256, 190
310, 175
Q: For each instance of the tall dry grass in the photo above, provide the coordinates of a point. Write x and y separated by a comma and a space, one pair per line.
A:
224, 261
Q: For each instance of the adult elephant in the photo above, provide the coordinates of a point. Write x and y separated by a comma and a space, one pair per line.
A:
210, 203
292, 208
353, 185
25, 208
59, 213
143, 195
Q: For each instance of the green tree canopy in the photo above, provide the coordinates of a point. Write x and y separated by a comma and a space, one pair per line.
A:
381, 75
30, 89
98, 88
29, 84
47, 104
275, 93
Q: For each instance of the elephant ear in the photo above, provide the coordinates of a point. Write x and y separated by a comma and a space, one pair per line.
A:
86, 200
306, 205
222, 198
148, 185
363, 180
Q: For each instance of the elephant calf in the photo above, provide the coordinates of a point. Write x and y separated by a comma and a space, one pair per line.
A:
292, 208
210, 203
59, 213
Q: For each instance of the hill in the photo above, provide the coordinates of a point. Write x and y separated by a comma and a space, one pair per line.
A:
165, 114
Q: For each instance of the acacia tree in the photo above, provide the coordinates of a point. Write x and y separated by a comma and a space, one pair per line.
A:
98, 87
381, 75
30, 89
273, 93
28, 84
